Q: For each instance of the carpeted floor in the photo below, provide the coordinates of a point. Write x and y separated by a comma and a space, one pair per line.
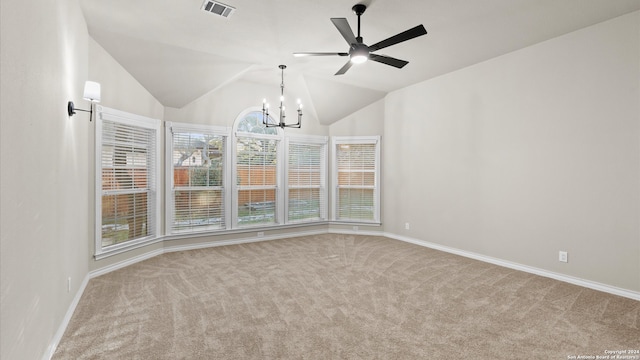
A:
340, 297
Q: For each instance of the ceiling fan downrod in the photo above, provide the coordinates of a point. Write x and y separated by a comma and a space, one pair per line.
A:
359, 9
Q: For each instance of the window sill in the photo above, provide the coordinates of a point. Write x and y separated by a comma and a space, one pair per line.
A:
123, 248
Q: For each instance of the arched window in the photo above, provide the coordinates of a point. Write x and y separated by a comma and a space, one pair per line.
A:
256, 176
251, 122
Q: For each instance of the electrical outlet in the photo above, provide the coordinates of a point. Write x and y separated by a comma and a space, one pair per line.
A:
563, 256
406, 226
69, 284
260, 233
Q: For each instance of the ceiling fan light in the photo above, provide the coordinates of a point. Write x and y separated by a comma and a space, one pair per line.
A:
359, 59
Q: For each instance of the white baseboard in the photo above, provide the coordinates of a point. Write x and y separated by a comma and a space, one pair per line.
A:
529, 269
65, 321
246, 240
356, 232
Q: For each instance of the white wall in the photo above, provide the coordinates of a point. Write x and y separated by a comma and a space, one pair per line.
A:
44, 171
527, 154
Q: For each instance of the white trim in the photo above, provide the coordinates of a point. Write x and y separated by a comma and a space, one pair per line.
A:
357, 232
105, 113
635, 295
338, 140
128, 246
176, 127
168, 177
281, 189
209, 129
245, 240
124, 263
65, 320
122, 116
306, 140
233, 166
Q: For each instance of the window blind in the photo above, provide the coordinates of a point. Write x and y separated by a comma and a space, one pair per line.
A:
356, 181
198, 192
128, 182
256, 176
306, 174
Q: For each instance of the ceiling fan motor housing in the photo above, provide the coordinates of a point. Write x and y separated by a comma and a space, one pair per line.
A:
359, 53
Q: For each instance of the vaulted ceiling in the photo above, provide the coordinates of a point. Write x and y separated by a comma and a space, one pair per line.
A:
179, 52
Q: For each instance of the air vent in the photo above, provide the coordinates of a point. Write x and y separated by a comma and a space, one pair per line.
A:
218, 8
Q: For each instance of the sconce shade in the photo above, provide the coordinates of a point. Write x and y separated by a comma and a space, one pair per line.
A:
91, 91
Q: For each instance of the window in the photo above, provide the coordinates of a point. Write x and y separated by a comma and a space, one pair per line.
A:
126, 174
197, 162
257, 171
356, 176
219, 182
306, 179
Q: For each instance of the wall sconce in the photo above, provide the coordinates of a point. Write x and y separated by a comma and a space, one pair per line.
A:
91, 93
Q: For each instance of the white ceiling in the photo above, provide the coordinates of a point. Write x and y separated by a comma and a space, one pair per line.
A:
179, 52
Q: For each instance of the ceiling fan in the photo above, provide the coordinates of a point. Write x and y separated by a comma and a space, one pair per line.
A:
358, 51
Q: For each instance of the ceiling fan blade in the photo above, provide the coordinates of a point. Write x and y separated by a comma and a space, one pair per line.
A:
301, 54
344, 68
403, 36
345, 30
388, 60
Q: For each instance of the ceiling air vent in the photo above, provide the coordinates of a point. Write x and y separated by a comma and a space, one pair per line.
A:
218, 8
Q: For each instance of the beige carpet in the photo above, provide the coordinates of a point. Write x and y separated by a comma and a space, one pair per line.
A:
340, 297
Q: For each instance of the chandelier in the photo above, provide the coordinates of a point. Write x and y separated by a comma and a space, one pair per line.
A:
281, 123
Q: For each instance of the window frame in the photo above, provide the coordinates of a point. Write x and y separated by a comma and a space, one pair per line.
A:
160, 211
178, 127
279, 196
153, 213
324, 171
355, 140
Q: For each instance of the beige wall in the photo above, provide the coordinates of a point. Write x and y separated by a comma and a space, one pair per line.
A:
515, 158
120, 90
45, 168
123, 92
222, 106
527, 154
368, 121
47, 165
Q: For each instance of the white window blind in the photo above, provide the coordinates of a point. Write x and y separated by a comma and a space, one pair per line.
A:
197, 200
306, 180
257, 180
356, 174
127, 179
